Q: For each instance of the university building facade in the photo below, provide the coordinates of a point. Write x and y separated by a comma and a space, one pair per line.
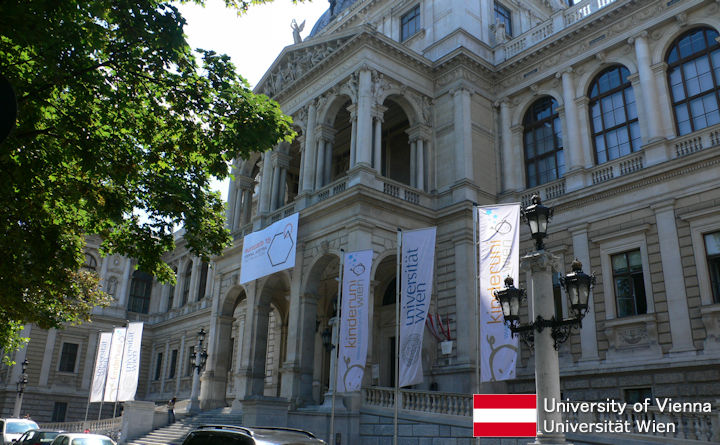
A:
408, 113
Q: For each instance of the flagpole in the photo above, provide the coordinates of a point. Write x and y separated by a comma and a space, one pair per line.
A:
477, 302
338, 312
122, 360
97, 355
397, 334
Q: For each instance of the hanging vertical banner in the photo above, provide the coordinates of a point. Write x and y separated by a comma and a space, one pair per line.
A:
101, 367
269, 250
354, 330
499, 245
130, 370
418, 260
114, 364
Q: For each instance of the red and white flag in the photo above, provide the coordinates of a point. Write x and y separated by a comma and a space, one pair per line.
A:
504, 415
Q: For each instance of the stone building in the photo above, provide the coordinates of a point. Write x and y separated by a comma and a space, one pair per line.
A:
409, 112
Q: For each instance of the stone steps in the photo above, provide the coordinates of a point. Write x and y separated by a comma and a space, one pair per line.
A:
174, 434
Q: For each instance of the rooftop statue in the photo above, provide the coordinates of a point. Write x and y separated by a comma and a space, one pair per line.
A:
296, 30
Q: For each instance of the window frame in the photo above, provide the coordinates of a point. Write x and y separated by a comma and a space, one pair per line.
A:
508, 17
679, 63
530, 128
625, 124
202, 281
145, 298
414, 19
187, 282
59, 407
631, 276
702, 222
713, 259
618, 242
172, 366
62, 354
158, 366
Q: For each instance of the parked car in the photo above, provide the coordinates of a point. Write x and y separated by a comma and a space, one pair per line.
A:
82, 439
37, 437
238, 435
12, 429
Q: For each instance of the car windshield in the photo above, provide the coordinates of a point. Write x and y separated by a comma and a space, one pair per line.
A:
19, 426
217, 438
91, 441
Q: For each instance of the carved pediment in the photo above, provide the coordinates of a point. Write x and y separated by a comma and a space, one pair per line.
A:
295, 61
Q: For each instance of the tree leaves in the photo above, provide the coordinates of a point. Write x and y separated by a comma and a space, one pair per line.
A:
115, 119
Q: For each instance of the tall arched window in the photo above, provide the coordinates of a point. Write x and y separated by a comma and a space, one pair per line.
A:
694, 78
613, 114
140, 290
186, 284
544, 160
202, 283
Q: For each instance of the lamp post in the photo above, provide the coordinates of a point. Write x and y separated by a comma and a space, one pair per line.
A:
546, 332
198, 360
21, 383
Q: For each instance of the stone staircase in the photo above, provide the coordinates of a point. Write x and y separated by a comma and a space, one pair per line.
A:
175, 433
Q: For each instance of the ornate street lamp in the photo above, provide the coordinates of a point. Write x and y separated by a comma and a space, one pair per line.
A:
537, 216
198, 360
577, 284
20, 386
327, 339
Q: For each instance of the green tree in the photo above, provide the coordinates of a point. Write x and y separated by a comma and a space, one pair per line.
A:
119, 132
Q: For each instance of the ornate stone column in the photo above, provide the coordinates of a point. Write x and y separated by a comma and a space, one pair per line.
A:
325, 136
588, 333
232, 205
586, 143
194, 278
251, 375
243, 185
352, 109
310, 148
265, 183
179, 282
647, 85
573, 152
413, 162
541, 264
463, 134
281, 162
363, 152
418, 135
378, 114
125, 285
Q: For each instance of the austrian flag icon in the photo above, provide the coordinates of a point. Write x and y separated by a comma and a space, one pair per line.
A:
504, 415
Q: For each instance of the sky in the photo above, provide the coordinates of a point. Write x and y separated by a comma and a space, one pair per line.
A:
253, 40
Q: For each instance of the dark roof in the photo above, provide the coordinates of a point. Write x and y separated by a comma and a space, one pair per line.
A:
330, 14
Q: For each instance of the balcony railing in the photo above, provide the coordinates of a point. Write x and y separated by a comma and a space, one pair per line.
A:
556, 23
618, 167
697, 141
546, 191
433, 402
332, 189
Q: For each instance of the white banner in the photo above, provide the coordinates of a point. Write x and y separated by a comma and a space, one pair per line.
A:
269, 250
131, 362
499, 236
418, 260
101, 367
354, 331
114, 364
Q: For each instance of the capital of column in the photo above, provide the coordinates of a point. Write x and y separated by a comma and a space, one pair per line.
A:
352, 109
325, 132
460, 90
244, 182
517, 129
419, 131
567, 70
541, 261
659, 68
582, 101
308, 298
634, 79
642, 35
280, 159
378, 111
666, 204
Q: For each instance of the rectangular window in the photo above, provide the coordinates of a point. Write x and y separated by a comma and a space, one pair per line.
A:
629, 283
637, 395
503, 15
158, 365
712, 250
59, 411
189, 367
173, 363
410, 23
68, 357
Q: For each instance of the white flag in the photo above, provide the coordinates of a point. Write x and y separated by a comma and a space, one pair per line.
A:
114, 364
499, 232
269, 250
418, 259
354, 330
131, 363
101, 367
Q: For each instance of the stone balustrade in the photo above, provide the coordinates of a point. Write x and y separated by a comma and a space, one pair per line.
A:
546, 191
618, 167
432, 402
696, 141
109, 427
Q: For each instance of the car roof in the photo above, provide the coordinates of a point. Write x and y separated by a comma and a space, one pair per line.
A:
278, 435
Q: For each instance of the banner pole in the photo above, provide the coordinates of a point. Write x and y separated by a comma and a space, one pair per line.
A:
97, 356
397, 334
122, 360
476, 284
107, 372
338, 313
